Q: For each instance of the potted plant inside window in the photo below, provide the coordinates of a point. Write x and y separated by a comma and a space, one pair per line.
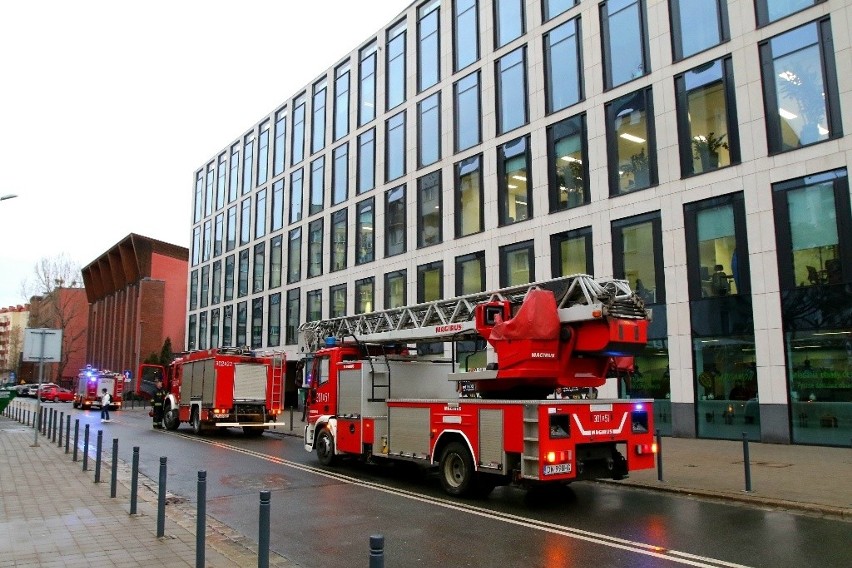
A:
639, 167
707, 149
571, 182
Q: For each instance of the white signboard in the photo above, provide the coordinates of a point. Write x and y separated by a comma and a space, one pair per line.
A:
42, 345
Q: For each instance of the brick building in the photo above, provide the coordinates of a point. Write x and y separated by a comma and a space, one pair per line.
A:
64, 308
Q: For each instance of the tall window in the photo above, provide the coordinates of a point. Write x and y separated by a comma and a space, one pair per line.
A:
214, 327
509, 21
338, 240
317, 186
571, 252
467, 131
395, 221
260, 214
296, 196
280, 142
293, 319
337, 301
553, 8
259, 267
243, 273
218, 234
273, 332
245, 221
367, 82
191, 332
697, 25
341, 101
469, 218
298, 142
216, 283
517, 264
364, 295
430, 282
227, 326
277, 220
207, 244
625, 45
248, 163
771, 10
231, 240
314, 305
465, 33
193, 290
318, 117
364, 232
340, 174
221, 179
470, 273
257, 323
395, 64
800, 87
429, 226
366, 161
567, 159
202, 330
395, 147
428, 45
630, 132
208, 193
637, 251
294, 256
511, 91
263, 154
429, 130
562, 66
229, 279
198, 200
514, 183
275, 259
315, 249
395, 289
706, 114
196, 245
234, 176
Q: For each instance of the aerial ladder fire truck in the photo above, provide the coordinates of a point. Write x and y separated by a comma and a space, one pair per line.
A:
227, 387
486, 415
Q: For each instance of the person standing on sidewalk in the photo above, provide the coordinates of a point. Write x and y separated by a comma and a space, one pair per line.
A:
157, 401
106, 399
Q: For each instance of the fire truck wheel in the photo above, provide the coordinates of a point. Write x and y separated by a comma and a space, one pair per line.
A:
195, 420
252, 431
325, 447
457, 473
170, 418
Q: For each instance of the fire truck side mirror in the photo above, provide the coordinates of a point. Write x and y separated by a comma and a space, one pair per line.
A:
490, 313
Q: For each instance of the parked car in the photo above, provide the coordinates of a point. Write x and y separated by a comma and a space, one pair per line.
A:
33, 390
24, 390
56, 394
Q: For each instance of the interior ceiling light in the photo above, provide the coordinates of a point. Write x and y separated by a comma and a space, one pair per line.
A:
632, 138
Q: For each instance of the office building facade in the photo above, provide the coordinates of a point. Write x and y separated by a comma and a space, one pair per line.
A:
696, 149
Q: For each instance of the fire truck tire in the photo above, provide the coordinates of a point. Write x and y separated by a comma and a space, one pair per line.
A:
252, 431
458, 476
195, 421
325, 447
171, 421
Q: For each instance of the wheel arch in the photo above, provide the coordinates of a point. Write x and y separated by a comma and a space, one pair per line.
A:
448, 436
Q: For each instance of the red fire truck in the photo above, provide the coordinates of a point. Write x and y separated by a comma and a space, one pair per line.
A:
88, 389
219, 388
487, 414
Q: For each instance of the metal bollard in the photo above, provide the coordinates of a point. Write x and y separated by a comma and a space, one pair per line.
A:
76, 437
161, 500
61, 422
113, 480
291, 418
746, 463
49, 425
377, 551
134, 480
201, 519
98, 450
56, 420
67, 431
659, 456
263, 531
86, 448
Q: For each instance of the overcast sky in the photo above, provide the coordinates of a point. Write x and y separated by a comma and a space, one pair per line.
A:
108, 107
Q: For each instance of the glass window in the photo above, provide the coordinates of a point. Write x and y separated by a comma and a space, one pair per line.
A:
221, 178
429, 130
208, 193
624, 41
364, 233
259, 267
395, 289
294, 256
367, 81
800, 88
257, 323
275, 259
470, 273
214, 327
511, 91
395, 147
199, 197
216, 284
243, 273
340, 174
229, 279
242, 315
231, 241
318, 118
196, 245
366, 161
467, 129
509, 18
314, 307
260, 214
562, 66
465, 33
341, 101
395, 74
193, 290
277, 221
337, 301
697, 25
218, 234
553, 8
566, 163
571, 252
248, 163
315, 250
317, 186
395, 221
207, 243
293, 316
469, 197
364, 295
428, 45
429, 227
338, 240
771, 10
716, 241
245, 221
298, 142
190, 335
632, 157
296, 196
430, 282
517, 264
280, 142
515, 193
234, 177
263, 154
638, 255
202, 330
227, 326
273, 331
706, 117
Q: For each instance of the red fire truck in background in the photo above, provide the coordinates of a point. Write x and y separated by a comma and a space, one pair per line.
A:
487, 415
89, 386
227, 387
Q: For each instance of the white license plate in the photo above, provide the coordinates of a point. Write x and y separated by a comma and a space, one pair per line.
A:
557, 469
